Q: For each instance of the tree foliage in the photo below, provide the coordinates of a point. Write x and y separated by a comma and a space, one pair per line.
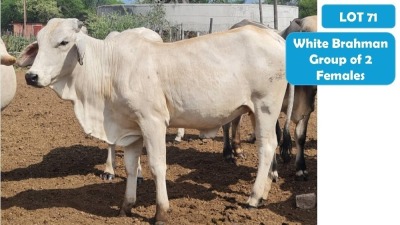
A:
39, 10
307, 8
9, 13
43, 10
93, 4
72, 9
100, 26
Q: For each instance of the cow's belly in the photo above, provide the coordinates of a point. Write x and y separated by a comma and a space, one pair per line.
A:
206, 119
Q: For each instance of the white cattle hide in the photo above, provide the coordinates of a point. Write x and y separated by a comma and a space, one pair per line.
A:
127, 91
8, 78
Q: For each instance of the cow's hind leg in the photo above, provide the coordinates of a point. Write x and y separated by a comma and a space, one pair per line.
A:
252, 138
227, 151
180, 134
131, 157
300, 138
274, 169
154, 132
139, 172
286, 146
265, 118
237, 148
109, 172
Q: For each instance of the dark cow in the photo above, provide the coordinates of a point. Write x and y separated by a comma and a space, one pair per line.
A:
303, 106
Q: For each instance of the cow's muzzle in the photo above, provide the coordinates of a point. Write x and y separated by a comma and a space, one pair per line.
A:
31, 78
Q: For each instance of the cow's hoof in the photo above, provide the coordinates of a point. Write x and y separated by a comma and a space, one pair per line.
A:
107, 176
230, 159
177, 140
263, 203
250, 207
240, 155
126, 209
274, 176
256, 203
301, 175
251, 139
139, 180
123, 213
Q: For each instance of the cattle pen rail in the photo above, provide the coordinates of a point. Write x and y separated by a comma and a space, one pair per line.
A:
196, 17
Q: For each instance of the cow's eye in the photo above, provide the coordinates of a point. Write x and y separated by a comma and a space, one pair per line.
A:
63, 43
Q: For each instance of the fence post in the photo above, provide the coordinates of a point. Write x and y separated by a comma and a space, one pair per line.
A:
182, 32
276, 14
261, 11
211, 24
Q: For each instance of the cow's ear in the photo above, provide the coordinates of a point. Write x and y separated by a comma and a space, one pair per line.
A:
80, 46
77, 25
28, 55
298, 21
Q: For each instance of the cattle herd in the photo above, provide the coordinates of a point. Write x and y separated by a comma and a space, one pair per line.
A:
129, 88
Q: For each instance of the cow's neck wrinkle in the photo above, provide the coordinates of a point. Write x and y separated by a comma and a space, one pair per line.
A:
93, 78
89, 87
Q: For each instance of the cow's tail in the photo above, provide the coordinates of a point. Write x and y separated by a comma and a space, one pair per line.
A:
286, 147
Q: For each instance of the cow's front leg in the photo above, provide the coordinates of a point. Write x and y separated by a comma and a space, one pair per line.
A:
109, 172
154, 139
131, 157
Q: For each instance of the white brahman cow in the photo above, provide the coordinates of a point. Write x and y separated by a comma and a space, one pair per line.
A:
109, 171
303, 106
8, 79
128, 90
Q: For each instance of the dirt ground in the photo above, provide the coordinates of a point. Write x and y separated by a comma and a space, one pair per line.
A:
50, 173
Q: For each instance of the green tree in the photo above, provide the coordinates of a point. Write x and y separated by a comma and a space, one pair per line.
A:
72, 9
280, 2
93, 4
100, 26
39, 10
9, 13
307, 8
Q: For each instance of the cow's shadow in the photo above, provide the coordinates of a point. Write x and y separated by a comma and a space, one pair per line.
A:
63, 161
202, 164
104, 199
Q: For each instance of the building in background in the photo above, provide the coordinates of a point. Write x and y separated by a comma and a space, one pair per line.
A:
31, 29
